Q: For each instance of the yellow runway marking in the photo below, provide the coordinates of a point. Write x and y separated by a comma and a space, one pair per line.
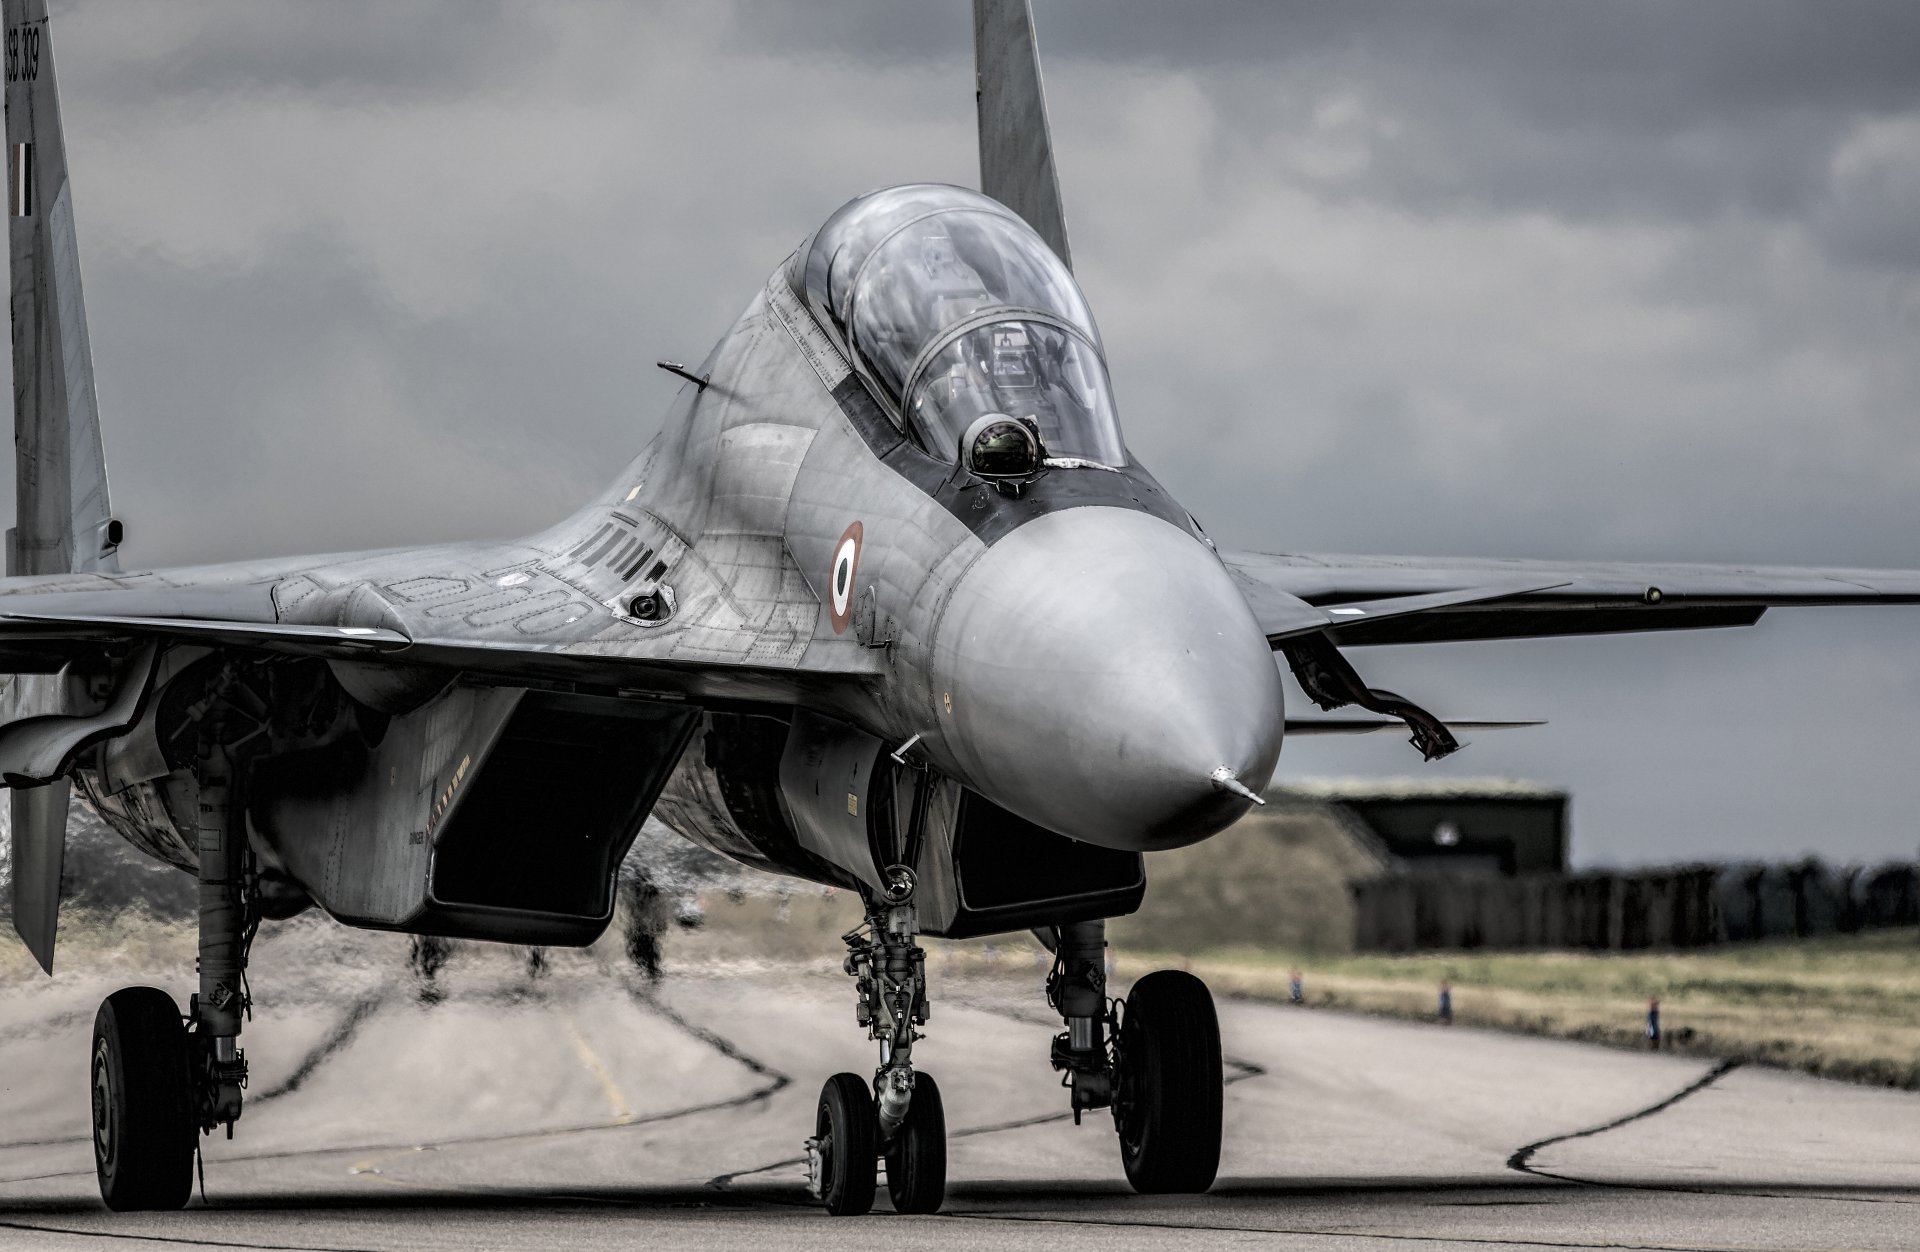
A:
369, 1168
622, 1111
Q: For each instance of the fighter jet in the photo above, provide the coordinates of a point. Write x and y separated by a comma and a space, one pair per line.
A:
887, 604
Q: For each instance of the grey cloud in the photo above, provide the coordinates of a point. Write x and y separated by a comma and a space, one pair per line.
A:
1598, 281
412, 51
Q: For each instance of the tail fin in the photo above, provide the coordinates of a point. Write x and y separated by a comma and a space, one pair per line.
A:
62, 519
1016, 146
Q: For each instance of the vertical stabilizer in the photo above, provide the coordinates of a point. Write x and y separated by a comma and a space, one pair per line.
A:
62, 519
1016, 147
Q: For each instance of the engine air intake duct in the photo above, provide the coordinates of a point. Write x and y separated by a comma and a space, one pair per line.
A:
533, 846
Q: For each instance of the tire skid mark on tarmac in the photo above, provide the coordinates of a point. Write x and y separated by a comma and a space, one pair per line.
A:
1522, 1158
343, 1033
775, 1081
643, 996
337, 1039
41, 1027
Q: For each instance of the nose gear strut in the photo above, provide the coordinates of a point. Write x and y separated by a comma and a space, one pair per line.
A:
900, 1117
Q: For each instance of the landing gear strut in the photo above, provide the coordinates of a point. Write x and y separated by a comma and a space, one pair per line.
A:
160, 1079
900, 1116
1155, 1061
225, 935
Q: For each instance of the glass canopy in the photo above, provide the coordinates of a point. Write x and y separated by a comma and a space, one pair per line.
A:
952, 307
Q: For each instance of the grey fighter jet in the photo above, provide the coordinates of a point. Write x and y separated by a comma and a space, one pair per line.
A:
887, 604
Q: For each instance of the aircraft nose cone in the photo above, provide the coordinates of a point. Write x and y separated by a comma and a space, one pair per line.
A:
1101, 669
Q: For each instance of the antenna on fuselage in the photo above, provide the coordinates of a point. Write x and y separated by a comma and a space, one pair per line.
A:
1016, 146
700, 381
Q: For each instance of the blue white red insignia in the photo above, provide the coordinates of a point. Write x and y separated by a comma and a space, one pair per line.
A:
840, 579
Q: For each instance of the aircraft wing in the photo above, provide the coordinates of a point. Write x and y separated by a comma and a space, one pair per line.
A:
1360, 600
43, 626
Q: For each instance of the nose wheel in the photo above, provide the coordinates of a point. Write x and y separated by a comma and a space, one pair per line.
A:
917, 1157
842, 1155
899, 1116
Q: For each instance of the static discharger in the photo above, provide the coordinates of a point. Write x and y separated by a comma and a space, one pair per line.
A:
1226, 780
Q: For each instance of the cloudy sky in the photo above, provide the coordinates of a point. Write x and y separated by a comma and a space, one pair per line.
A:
1635, 281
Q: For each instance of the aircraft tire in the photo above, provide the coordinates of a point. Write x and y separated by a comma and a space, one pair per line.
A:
917, 1159
846, 1126
1167, 1108
143, 1124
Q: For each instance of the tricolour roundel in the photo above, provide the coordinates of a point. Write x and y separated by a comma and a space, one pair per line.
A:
846, 567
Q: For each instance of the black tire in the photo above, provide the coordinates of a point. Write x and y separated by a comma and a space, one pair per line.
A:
1167, 1108
917, 1157
143, 1124
846, 1126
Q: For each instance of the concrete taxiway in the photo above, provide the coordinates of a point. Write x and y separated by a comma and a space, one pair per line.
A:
585, 1108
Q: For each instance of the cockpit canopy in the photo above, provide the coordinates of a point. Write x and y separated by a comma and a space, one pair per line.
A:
952, 307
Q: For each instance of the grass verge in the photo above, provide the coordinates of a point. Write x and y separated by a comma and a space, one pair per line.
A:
1844, 1007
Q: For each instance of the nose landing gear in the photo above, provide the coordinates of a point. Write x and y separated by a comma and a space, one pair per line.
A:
1155, 1061
900, 1117
841, 1154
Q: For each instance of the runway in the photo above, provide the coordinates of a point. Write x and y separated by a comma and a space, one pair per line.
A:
588, 1109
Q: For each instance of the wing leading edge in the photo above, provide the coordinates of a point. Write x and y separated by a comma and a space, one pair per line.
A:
41, 630
1438, 599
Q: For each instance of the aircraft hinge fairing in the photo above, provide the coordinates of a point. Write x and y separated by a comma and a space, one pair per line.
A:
1331, 682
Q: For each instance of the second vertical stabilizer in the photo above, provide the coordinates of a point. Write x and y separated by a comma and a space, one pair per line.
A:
1016, 147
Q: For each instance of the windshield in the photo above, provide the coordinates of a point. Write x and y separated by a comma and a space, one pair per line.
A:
1023, 369
953, 307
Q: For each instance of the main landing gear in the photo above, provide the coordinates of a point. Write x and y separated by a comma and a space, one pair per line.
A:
899, 1116
160, 1079
1155, 1061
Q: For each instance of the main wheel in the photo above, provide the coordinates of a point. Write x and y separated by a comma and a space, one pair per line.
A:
845, 1128
143, 1125
917, 1157
1167, 1107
